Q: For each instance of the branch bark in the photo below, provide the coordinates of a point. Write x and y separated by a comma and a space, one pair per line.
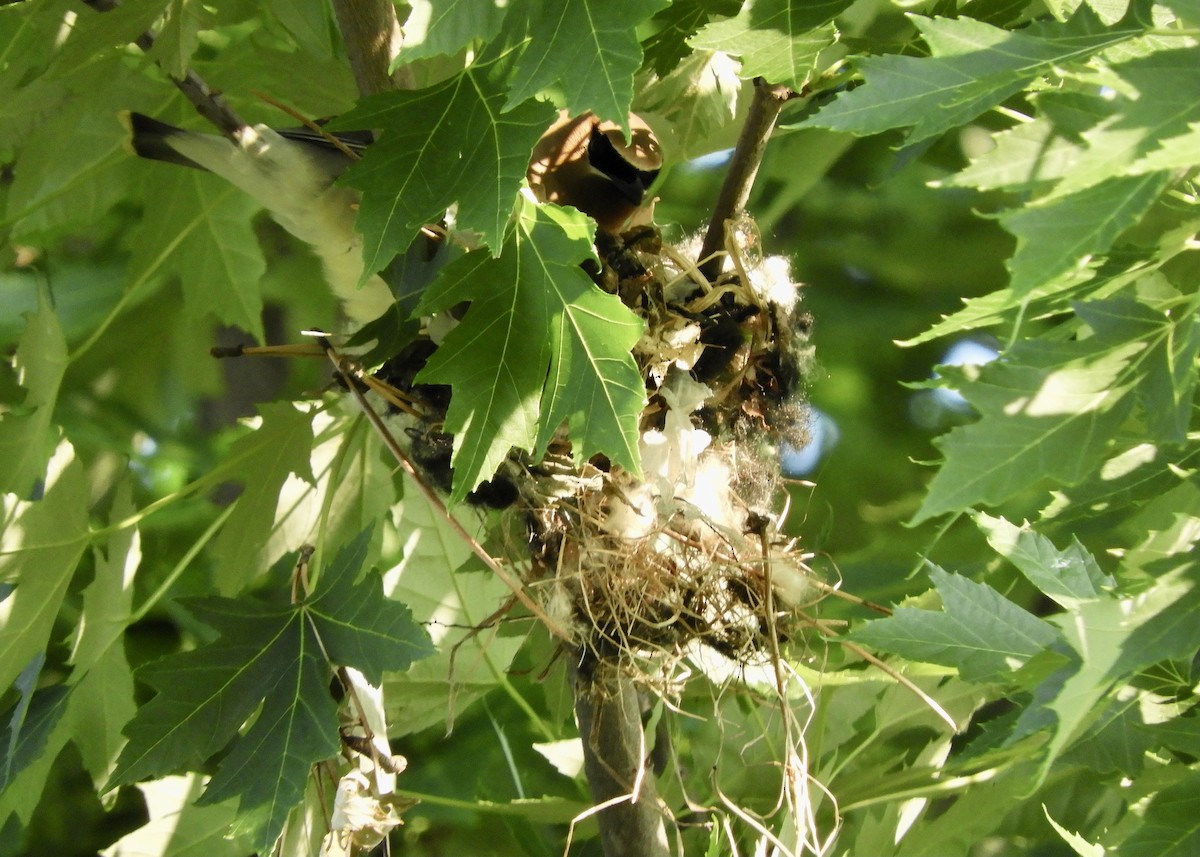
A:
743, 167
614, 757
371, 34
207, 101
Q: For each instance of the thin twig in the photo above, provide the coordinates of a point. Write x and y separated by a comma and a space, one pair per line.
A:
743, 167
434, 499
307, 123
838, 592
876, 662
208, 102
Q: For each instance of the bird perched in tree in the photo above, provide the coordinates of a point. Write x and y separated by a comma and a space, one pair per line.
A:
589, 164
292, 173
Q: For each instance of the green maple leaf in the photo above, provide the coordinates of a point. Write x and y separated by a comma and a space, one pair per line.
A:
1049, 410
276, 660
1109, 639
973, 66
455, 142
27, 433
450, 27
1169, 826
439, 578
1070, 577
587, 50
179, 36
1052, 409
70, 170
979, 631
1062, 235
40, 546
1031, 156
264, 460
199, 228
1166, 370
176, 827
676, 25
778, 40
23, 736
541, 345
1166, 101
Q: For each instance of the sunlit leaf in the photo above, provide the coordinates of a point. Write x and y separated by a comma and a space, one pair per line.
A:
449, 26
279, 447
1111, 639
586, 50
450, 143
1069, 576
1169, 828
1049, 411
1167, 369
40, 544
1166, 99
1033, 155
24, 734
177, 827
979, 632
972, 67
1061, 236
677, 23
778, 40
276, 660
102, 701
27, 435
558, 350
455, 601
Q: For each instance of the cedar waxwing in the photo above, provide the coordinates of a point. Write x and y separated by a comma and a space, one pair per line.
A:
291, 173
580, 162
588, 164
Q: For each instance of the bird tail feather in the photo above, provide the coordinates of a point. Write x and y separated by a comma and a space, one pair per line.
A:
150, 138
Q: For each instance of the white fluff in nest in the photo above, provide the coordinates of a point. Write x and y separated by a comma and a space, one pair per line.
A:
670, 461
360, 820
711, 493
633, 513
789, 579
669, 457
771, 280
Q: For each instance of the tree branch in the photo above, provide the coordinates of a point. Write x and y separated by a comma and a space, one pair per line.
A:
743, 167
371, 34
208, 102
614, 758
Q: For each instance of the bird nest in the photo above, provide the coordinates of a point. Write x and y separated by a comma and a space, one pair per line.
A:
690, 551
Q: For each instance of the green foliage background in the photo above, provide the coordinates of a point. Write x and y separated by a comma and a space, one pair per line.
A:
1035, 160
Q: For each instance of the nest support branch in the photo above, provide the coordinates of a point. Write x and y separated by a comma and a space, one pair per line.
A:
615, 761
768, 101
